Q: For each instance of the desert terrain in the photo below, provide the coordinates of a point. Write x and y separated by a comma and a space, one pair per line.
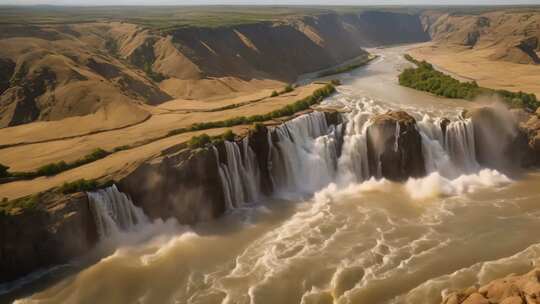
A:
480, 46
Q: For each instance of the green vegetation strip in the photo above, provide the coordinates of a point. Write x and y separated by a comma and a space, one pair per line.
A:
32, 202
300, 105
55, 168
426, 78
58, 167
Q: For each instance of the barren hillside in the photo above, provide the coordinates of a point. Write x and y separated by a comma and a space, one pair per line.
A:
510, 35
110, 68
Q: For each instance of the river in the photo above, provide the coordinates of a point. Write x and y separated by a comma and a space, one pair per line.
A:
336, 236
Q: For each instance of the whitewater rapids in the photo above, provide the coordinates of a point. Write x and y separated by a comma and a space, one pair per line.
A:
334, 232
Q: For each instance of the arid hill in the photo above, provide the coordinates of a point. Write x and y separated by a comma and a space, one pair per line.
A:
511, 35
112, 68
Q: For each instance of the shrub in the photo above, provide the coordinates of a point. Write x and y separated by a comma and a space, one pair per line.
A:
4, 171
199, 141
426, 78
228, 135
287, 89
78, 186
52, 169
95, 155
259, 127
274, 94
121, 148
27, 203
335, 82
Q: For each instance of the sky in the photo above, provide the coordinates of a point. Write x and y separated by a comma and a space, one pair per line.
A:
270, 2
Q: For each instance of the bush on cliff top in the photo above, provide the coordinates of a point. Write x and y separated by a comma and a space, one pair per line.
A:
55, 168
199, 141
4, 171
287, 110
79, 185
426, 78
27, 203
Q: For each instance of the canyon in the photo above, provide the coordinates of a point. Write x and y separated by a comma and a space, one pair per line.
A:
341, 178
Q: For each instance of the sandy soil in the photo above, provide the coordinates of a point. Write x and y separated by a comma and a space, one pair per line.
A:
112, 116
114, 164
475, 64
36, 155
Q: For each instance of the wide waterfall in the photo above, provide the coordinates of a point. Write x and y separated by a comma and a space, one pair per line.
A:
306, 154
114, 212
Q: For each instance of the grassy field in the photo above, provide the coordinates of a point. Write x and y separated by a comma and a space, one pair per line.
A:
157, 17
171, 17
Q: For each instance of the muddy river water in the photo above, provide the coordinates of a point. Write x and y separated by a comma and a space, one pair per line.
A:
340, 237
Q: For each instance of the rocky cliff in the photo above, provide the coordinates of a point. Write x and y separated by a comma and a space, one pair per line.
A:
187, 184
56, 229
505, 139
395, 146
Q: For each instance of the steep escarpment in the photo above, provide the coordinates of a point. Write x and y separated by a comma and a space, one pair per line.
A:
505, 139
302, 155
50, 72
508, 35
183, 184
36, 237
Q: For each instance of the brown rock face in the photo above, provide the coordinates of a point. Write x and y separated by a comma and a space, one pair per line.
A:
259, 143
182, 184
513, 289
42, 237
499, 140
395, 157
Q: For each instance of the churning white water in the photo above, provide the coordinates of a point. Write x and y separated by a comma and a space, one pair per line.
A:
335, 232
114, 212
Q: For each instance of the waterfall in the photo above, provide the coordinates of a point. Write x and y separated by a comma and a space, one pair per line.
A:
225, 180
304, 157
396, 136
452, 153
114, 212
306, 154
240, 175
459, 142
251, 172
353, 164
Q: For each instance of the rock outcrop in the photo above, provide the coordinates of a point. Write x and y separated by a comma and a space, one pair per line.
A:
259, 142
395, 146
513, 289
55, 230
532, 129
183, 184
503, 139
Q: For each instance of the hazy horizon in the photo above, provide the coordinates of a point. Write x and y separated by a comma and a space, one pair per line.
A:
264, 2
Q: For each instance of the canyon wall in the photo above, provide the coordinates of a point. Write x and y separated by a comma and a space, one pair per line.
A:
49, 72
506, 34
301, 155
58, 229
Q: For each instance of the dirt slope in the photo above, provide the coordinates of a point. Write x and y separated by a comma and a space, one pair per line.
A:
509, 35
50, 71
